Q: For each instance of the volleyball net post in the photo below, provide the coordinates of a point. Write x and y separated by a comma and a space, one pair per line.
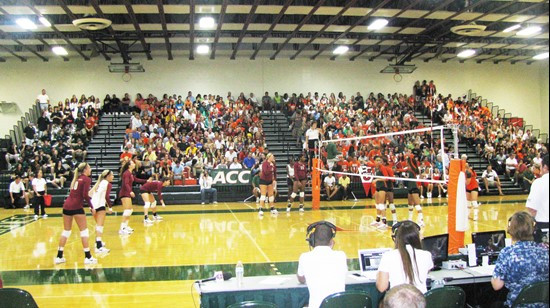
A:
457, 218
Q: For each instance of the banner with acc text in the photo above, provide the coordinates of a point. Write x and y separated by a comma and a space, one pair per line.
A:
230, 176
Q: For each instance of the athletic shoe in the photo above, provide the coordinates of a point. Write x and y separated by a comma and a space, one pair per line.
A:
103, 249
45, 216
202, 203
26, 207
129, 229
288, 209
260, 213
421, 196
59, 260
301, 209
274, 212
148, 222
35, 217
158, 217
375, 224
215, 202
124, 232
91, 260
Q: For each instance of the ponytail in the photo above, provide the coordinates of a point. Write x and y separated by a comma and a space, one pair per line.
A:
77, 173
102, 176
408, 234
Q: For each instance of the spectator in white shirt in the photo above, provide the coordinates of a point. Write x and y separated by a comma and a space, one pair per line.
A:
235, 164
43, 99
205, 183
490, 178
408, 263
511, 165
17, 192
231, 154
322, 269
538, 200
136, 122
330, 186
40, 189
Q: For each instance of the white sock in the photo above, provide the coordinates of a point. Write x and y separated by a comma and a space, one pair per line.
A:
394, 217
123, 225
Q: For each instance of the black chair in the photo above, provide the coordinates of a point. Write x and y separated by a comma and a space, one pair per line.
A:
16, 298
534, 293
445, 297
350, 299
253, 304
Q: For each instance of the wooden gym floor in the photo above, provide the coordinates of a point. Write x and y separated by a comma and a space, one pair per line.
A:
157, 264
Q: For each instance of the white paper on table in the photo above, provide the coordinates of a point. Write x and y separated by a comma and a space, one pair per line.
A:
484, 270
274, 280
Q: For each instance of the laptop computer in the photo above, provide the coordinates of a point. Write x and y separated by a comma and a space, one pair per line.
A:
369, 260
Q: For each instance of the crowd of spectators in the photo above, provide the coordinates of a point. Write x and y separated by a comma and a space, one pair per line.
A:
57, 141
180, 137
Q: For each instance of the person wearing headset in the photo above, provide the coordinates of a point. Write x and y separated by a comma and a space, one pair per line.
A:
322, 269
407, 263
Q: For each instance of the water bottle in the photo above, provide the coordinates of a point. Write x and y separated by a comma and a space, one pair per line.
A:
239, 273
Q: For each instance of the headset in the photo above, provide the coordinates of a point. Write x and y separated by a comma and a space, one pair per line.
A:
310, 236
398, 224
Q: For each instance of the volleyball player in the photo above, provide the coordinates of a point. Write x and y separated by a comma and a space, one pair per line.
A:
73, 208
126, 194
429, 186
290, 176
149, 201
413, 191
389, 188
268, 175
300, 180
380, 195
472, 191
100, 194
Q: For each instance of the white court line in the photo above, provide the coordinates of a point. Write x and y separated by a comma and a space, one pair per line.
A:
248, 234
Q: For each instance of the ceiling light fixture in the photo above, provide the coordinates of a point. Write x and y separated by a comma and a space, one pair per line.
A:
512, 28
207, 22
466, 53
541, 56
59, 50
26, 23
44, 21
529, 31
203, 49
340, 50
378, 24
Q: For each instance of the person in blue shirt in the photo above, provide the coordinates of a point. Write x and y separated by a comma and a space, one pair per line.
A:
523, 263
249, 161
179, 104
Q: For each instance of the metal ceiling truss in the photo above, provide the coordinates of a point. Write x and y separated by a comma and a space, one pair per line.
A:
433, 40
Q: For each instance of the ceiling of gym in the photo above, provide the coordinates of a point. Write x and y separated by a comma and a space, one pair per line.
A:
418, 30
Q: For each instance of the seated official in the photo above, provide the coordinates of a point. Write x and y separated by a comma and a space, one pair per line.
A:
17, 193
407, 263
404, 295
205, 183
322, 269
523, 263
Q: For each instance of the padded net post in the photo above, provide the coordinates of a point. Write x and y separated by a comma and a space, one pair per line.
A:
316, 185
457, 210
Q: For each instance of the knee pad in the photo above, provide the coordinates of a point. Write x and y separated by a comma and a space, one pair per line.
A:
147, 205
66, 233
262, 198
85, 233
469, 204
475, 204
418, 207
392, 206
411, 208
99, 229
127, 213
271, 199
153, 204
293, 195
302, 194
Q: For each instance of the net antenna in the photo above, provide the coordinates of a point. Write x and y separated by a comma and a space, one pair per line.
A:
444, 159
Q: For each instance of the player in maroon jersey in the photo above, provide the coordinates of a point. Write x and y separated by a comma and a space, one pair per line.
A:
149, 201
126, 194
268, 179
300, 180
73, 208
